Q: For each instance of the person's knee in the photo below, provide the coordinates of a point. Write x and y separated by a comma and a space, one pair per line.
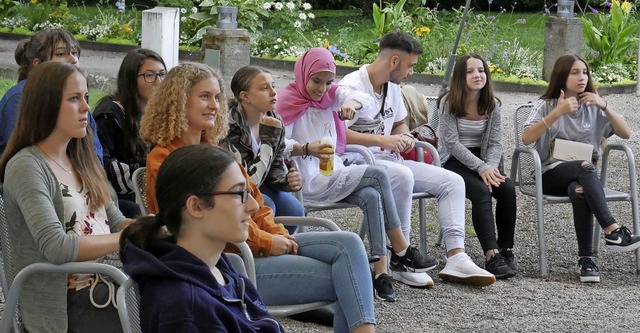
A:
588, 167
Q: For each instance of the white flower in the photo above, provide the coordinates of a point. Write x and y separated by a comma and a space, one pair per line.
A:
306, 6
291, 5
278, 5
194, 10
311, 16
183, 11
183, 19
266, 5
297, 24
275, 47
302, 16
279, 40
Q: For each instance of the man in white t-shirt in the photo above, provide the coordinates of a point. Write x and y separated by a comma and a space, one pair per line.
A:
380, 125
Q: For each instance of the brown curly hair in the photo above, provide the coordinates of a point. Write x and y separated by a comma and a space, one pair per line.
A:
165, 117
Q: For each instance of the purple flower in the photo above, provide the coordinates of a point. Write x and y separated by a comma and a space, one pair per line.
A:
489, 1
593, 10
546, 10
491, 17
120, 5
521, 21
606, 4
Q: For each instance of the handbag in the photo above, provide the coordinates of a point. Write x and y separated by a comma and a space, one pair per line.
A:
566, 150
424, 133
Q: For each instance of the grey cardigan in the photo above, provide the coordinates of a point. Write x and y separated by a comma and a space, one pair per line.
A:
35, 211
449, 143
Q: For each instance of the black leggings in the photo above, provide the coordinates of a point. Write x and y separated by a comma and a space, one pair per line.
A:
563, 181
481, 206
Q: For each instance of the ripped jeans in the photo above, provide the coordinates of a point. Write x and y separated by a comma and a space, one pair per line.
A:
566, 179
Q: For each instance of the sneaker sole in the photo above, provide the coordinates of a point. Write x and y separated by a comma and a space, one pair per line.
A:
400, 278
590, 279
474, 280
618, 248
389, 299
505, 275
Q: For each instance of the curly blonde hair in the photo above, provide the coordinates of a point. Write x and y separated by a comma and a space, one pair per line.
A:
165, 117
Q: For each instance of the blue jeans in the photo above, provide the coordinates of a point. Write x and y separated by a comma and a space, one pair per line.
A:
330, 266
373, 195
563, 181
283, 204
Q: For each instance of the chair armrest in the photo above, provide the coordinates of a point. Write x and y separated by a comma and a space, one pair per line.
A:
431, 149
11, 303
631, 163
249, 262
537, 165
125, 307
308, 221
362, 150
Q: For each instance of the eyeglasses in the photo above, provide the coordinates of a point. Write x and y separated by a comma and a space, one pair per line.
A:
244, 194
150, 77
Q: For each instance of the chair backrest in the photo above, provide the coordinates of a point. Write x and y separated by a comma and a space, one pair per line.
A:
140, 188
3, 222
434, 115
526, 162
128, 300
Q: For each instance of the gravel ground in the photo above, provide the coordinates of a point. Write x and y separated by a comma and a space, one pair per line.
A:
526, 303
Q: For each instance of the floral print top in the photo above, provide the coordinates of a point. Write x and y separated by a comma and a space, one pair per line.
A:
80, 220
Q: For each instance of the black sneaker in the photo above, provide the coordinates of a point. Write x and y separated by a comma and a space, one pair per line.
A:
498, 266
589, 272
622, 240
507, 254
413, 260
383, 288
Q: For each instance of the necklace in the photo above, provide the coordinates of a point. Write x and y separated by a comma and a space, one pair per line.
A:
56, 162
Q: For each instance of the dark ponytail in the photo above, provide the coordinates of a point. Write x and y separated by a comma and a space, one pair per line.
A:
189, 170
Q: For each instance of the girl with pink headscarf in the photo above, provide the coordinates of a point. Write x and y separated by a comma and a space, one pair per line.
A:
305, 106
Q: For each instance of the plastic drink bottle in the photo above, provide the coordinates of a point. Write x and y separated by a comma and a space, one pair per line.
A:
326, 167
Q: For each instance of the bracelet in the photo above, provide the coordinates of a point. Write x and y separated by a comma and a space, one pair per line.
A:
545, 124
605, 105
409, 135
305, 150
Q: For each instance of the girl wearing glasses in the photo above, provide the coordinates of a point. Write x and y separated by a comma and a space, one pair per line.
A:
256, 137
186, 281
58, 205
118, 118
189, 108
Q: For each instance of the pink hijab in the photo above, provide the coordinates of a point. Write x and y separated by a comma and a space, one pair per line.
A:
293, 100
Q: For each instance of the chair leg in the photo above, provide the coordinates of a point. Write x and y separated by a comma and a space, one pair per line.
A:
596, 238
439, 241
542, 249
423, 225
636, 225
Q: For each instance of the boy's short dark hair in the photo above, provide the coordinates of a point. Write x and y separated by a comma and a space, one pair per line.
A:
401, 41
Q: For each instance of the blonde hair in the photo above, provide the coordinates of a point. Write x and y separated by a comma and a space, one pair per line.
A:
165, 117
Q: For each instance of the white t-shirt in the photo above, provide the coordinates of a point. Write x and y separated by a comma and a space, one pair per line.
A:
367, 119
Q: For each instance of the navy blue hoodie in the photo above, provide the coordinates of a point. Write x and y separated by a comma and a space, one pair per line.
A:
180, 294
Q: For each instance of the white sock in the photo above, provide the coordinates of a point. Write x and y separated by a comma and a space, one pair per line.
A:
402, 253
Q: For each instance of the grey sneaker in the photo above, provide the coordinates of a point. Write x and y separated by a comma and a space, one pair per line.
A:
622, 240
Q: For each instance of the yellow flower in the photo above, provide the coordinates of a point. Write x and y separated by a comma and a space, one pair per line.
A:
126, 28
626, 7
326, 44
421, 31
499, 70
33, 2
492, 68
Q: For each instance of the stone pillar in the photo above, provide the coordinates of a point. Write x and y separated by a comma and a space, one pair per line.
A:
161, 33
227, 50
562, 36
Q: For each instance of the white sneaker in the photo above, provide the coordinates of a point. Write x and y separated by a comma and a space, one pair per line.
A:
460, 268
420, 280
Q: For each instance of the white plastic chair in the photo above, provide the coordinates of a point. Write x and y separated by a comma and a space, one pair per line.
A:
526, 172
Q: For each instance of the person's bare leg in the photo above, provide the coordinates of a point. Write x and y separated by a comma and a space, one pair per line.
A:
366, 328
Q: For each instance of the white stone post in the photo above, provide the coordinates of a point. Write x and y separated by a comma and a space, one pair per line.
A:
161, 33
